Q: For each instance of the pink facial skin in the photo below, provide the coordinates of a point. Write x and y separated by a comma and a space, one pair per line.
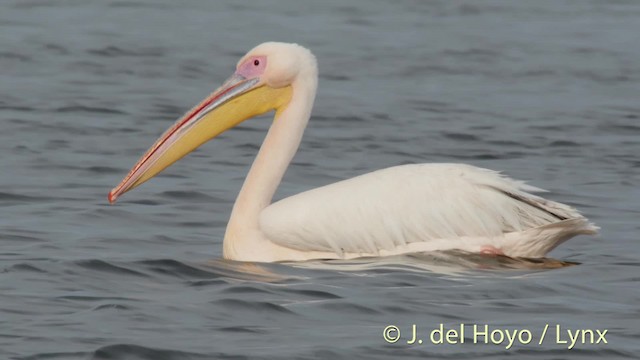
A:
252, 67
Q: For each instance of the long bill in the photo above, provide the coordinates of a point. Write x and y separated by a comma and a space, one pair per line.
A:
238, 99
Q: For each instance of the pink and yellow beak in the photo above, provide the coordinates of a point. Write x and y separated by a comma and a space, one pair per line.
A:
238, 99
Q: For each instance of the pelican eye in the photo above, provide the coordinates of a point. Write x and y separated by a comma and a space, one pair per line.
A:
256, 62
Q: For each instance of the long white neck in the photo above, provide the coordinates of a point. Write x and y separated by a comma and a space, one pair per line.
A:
269, 166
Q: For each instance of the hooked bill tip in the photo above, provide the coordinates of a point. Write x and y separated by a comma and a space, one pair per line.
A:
112, 197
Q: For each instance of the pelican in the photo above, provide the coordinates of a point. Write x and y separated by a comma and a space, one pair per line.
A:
397, 210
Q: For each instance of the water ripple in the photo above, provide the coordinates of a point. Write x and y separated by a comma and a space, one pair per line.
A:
115, 51
136, 352
104, 266
252, 306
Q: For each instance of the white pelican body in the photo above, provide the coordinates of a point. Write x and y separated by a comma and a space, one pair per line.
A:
409, 208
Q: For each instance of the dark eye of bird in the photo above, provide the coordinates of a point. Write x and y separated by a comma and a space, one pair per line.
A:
256, 62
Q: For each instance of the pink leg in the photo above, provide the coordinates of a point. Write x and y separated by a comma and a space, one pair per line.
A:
490, 250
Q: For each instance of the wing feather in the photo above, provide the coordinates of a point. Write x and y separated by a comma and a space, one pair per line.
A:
405, 204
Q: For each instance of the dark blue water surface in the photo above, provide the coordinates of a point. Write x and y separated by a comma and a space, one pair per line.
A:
545, 91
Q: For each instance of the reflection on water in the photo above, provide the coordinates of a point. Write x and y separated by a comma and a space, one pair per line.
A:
239, 270
450, 262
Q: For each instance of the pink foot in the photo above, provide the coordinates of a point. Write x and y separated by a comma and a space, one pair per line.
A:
490, 250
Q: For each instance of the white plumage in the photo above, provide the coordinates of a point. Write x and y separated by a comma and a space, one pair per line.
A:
422, 207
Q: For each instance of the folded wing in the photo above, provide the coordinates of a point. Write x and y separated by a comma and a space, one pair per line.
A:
418, 203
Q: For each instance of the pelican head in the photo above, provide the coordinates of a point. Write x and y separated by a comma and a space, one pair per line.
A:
263, 81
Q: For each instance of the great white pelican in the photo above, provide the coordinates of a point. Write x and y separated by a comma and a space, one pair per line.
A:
402, 209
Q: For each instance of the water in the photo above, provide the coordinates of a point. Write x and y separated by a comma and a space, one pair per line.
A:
544, 91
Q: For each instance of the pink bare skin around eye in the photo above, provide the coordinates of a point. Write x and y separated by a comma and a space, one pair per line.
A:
252, 67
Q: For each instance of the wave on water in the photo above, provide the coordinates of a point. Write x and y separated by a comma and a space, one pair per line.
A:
135, 352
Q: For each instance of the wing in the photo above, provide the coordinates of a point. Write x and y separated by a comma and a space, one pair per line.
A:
406, 204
